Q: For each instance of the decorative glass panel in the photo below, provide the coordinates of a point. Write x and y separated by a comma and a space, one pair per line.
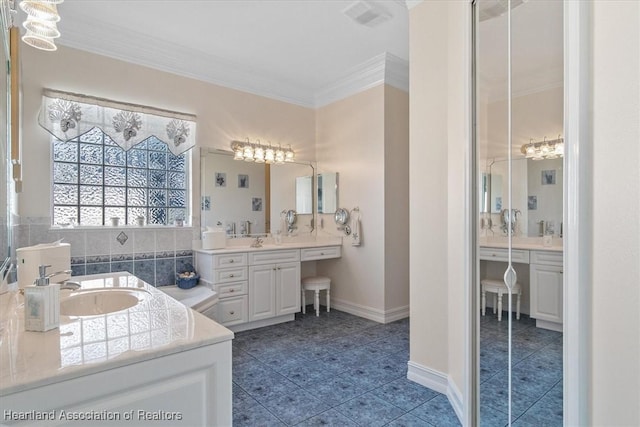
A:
155, 144
114, 196
90, 174
91, 195
157, 160
157, 198
65, 173
157, 216
137, 158
114, 212
65, 151
114, 156
94, 136
93, 181
137, 178
175, 213
175, 163
177, 198
63, 215
90, 153
176, 180
157, 179
115, 176
137, 196
65, 194
90, 215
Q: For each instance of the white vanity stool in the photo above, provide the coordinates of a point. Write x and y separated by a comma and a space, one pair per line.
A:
317, 284
499, 288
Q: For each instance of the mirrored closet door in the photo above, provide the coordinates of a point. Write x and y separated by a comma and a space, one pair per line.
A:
519, 146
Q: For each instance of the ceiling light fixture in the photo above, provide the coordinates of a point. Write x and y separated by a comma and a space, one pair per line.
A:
259, 153
42, 16
544, 149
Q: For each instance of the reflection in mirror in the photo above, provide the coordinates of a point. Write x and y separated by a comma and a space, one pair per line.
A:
304, 194
327, 192
247, 198
537, 194
5, 120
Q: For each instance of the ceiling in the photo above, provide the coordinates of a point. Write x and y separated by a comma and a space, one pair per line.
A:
293, 50
307, 52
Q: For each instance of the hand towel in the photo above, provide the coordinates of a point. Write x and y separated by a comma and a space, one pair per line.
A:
355, 229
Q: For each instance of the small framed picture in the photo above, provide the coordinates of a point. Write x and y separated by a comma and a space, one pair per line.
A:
498, 203
532, 203
221, 179
549, 177
206, 203
243, 181
256, 204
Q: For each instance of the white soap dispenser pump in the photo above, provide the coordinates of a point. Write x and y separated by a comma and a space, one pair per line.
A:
42, 303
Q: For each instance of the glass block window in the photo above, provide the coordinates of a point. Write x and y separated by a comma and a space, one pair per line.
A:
94, 180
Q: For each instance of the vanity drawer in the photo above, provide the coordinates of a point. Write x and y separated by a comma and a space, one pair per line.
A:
230, 260
547, 257
233, 310
232, 289
225, 275
274, 257
498, 254
326, 252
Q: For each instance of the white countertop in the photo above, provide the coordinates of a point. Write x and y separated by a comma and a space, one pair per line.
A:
233, 247
82, 345
526, 243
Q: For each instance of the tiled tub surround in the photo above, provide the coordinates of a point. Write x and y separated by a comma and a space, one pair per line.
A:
154, 254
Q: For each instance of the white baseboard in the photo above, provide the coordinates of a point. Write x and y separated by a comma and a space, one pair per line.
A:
552, 326
439, 382
261, 323
377, 315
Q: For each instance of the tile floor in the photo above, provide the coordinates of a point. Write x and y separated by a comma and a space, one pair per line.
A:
536, 374
342, 370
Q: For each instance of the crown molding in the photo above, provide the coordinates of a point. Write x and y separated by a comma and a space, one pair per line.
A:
131, 46
383, 68
137, 48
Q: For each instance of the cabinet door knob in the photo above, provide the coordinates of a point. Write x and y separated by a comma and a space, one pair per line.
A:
232, 290
232, 313
231, 275
493, 254
321, 253
230, 261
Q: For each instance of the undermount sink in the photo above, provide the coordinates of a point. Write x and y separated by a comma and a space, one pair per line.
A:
92, 302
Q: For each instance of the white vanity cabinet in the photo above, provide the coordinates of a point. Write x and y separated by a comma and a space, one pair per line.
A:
274, 284
261, 286
546, 288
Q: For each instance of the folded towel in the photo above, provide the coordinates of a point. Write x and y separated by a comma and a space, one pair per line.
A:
355, 230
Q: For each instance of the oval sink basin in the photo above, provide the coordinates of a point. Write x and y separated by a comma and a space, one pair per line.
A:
92, 302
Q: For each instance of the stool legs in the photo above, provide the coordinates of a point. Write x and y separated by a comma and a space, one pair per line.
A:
316, 302
304, 303
484, 302
499, 306
328, 301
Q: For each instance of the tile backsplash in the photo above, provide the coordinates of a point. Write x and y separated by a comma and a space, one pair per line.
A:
154, 254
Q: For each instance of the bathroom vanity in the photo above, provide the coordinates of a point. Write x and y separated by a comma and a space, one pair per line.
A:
156, 362
259, 286
545, 275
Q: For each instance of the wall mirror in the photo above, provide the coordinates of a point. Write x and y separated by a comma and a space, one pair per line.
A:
327, 192
247, 198
536, 191
304, 195
5, 179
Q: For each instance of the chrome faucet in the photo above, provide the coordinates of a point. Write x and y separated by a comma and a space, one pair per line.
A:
257, 243
43, 279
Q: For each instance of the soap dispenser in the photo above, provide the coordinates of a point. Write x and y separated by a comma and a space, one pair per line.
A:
42, 303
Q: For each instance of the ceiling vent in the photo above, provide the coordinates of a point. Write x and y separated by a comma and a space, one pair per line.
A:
368, 13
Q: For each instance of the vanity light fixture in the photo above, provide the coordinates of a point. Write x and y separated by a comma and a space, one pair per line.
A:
544, 149
42, 17
259, 153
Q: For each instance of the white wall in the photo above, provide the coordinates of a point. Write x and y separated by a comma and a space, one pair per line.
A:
439, 120
615, 340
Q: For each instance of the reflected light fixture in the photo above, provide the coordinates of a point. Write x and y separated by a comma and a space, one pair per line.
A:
259, 153
41, 23
544, 149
